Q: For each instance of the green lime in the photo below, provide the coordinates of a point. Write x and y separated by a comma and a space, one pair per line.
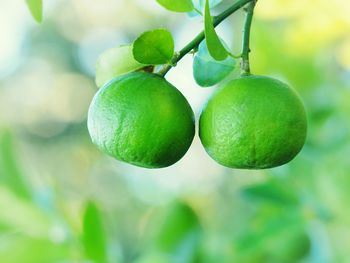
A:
141, 119
253, 122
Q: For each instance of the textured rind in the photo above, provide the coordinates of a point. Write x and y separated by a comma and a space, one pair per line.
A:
141, 119
253, 122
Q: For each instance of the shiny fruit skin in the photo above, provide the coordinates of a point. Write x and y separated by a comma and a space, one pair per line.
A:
141, 119
253, 122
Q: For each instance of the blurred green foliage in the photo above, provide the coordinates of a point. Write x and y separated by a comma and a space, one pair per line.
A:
94, 234
36, 9
61, 200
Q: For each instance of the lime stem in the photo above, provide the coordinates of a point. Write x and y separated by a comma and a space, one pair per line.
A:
245, 65
201, 36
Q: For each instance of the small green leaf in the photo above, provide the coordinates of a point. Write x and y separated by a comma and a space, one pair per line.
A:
180, 234
272, 192
93, 234
36, 9
154, 47
181, 6
215, 47
207, 71
200, 4
114, 62
281, 239
10, 172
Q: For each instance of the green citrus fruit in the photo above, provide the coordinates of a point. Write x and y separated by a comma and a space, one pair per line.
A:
141, 119
253, 122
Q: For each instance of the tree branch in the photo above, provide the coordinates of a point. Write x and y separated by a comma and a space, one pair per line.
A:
245, 65
201, 36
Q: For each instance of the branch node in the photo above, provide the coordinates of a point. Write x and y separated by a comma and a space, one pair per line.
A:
193, 45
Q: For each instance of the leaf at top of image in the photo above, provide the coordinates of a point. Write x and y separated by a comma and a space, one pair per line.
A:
36, 9
215, 47
181, 6
154, 47
115, 62
207, 71
94, 240
200, 4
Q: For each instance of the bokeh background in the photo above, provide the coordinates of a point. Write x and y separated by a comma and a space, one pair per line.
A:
61, 200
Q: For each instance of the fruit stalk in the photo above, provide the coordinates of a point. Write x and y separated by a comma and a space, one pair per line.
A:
201, 36
245, 65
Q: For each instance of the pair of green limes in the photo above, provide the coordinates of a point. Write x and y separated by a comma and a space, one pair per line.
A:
252, 122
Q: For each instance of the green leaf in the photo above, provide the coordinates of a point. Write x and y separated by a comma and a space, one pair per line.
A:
281, 239
272, 192
253, 238
207, 71
94, 240
180, 233
10, 172
215, 47
114, 62
154, 47
200, 4
36, 9
177, 6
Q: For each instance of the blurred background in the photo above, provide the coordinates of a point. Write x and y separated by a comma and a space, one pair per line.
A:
61, 200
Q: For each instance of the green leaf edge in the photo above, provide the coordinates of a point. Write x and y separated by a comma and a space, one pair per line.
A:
99, 61
177, 10
37, 14
92, 212
210, 60
168, 61
219, 52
